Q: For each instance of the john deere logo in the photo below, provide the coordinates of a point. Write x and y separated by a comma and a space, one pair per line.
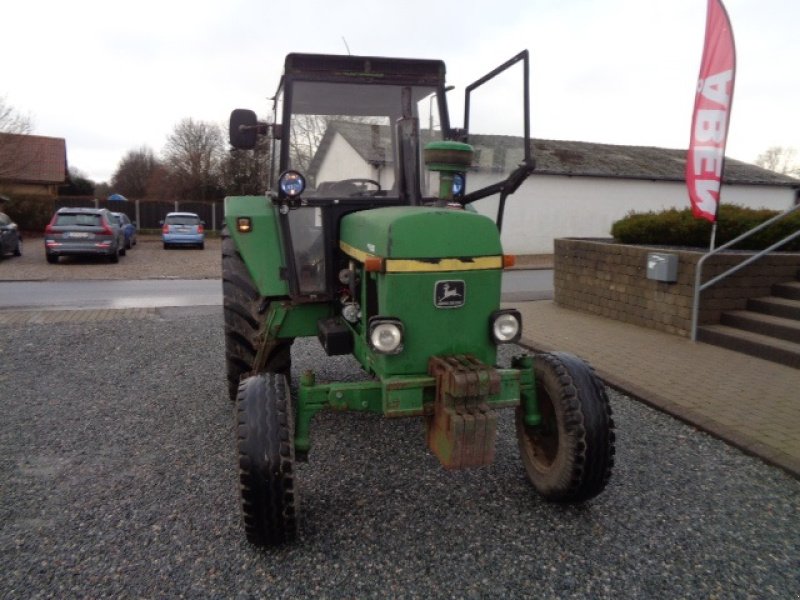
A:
449, 294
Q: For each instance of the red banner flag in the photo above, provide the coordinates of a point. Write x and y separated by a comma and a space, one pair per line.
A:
712, 113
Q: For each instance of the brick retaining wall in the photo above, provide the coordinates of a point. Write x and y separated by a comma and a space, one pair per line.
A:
609, 279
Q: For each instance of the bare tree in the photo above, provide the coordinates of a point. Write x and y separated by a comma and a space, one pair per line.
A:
133, 173
192, 155
304, 138
12, 121
781, 159
13, 125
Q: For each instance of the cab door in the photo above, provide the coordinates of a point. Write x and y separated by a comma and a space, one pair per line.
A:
497, 125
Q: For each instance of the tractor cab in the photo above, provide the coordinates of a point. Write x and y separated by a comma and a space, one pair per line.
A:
357, 133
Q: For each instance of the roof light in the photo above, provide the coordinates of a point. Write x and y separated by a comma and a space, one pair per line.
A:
292, 184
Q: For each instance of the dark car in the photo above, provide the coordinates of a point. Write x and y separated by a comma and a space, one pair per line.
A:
83, 232
10, 238
128, 228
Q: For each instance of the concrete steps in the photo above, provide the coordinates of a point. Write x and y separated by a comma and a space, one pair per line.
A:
769, 328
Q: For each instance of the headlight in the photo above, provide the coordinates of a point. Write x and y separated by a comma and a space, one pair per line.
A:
386, 335
506, 326
292, 184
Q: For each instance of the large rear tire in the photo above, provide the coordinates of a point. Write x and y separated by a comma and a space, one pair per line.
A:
569, 456
244, 311
266, 459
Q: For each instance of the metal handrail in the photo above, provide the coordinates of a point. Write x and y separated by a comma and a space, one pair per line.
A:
699, 268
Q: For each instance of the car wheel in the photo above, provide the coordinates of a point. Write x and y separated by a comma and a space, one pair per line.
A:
202, 246
123, 250
52, 258
265, 432
244, 311
18, 249
114, 257
568, 457
166, 246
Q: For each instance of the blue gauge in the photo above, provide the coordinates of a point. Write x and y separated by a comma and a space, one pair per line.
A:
458, 184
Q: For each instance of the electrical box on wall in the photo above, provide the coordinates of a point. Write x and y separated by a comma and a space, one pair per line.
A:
662, 267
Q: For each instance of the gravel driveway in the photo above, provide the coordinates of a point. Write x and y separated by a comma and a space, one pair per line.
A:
118, 479
146, 260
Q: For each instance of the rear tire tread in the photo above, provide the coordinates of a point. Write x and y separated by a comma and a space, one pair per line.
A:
244, 322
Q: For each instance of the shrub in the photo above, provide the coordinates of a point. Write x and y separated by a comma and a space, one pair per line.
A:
680, 228
31, 213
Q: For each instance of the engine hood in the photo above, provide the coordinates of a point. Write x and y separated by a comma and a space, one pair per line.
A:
417, 232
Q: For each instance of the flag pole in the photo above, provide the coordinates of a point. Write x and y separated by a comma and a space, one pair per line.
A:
713, 236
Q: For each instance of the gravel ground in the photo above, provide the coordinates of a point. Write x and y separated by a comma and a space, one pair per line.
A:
118, 479
146, 260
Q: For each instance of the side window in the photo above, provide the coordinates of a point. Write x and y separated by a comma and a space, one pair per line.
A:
4, 219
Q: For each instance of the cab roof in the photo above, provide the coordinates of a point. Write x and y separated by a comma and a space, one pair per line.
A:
336, 67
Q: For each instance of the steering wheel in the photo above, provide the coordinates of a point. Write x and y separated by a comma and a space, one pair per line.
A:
348, 186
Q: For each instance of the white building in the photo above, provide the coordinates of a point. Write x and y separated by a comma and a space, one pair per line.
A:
578, 189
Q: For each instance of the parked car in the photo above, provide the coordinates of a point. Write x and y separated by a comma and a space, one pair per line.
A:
128, 228
10, 237
82, 232
182, 229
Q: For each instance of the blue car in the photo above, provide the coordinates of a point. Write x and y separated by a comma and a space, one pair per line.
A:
128, 228
182, 229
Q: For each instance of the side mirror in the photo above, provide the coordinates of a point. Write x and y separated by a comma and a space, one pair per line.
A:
243, 129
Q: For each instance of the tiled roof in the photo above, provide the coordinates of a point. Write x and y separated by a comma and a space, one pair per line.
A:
553, 157
32, 159
587, 159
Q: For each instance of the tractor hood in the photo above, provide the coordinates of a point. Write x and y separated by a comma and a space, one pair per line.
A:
417, 232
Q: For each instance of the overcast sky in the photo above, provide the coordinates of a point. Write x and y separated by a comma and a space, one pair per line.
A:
110, 77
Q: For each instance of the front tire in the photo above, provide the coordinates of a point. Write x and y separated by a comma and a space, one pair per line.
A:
244, 310
18, 249
266, 460
569, 456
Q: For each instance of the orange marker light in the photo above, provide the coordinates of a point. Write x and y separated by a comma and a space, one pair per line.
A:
373, 264
244, 224
509, 260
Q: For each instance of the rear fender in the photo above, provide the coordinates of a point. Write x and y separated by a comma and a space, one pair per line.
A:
260, 248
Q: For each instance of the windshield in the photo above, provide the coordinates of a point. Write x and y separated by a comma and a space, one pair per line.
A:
182, 220
343, 136
80, 219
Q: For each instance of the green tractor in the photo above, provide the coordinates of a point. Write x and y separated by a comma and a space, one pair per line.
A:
349, 245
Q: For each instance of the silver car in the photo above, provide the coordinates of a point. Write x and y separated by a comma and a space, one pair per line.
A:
83, 232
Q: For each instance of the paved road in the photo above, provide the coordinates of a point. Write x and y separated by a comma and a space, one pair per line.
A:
92, 294
518, 285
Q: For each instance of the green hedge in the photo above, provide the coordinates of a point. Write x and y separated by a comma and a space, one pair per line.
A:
680, 228
31, 213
